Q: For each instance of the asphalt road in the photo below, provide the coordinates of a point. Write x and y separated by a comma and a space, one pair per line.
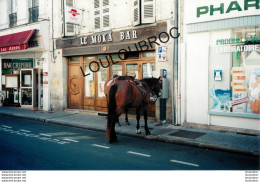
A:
33, 145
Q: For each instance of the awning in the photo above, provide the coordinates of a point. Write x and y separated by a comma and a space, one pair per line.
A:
15, 42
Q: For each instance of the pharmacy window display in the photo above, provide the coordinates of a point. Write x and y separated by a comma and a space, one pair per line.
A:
234, 71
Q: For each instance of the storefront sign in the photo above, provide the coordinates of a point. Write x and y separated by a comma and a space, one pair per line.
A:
112, 37
17, 63
238, 40
94, 39
241, 48
14, 48
201, 10
73, 16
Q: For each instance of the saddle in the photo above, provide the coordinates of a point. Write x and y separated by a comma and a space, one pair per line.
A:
132, 80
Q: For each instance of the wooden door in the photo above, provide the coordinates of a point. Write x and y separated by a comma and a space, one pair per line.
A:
75, 84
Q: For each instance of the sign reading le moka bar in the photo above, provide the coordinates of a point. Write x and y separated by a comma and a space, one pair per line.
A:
110, 39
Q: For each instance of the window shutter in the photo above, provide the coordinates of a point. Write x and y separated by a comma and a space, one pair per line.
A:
9, 7
35, 3
69, 28
29, 3
97, 14
12, 6
105, 14
148, 11
137, 12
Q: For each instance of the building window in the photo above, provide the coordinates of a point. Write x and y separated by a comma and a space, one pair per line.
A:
101, 15
12, 13
234, 71
33, 10
69, 29
144, 11
12, 19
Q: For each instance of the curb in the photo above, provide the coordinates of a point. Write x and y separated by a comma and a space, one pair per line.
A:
165, 139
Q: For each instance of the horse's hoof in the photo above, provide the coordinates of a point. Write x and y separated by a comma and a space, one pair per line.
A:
112, 140
148, 133
138, 131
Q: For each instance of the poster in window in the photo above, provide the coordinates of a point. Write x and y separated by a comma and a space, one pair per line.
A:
11, 81
221, 99
27, 79
254, 92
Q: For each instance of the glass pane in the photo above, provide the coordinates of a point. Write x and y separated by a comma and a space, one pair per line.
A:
117, 70
26, 77
89, 82
74, 59
89, 58
148, 69
102, 78
131, 70
26, 96
149, 54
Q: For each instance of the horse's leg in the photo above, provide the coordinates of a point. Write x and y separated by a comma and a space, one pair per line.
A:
147, 132
138, 131
113, 137
117, 121
126, 118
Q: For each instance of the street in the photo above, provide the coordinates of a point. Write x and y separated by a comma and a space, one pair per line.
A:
33, 145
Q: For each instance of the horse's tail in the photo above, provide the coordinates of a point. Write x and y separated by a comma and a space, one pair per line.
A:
111, 108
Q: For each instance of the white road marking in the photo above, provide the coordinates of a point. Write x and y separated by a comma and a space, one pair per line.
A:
186, 163
67, 139
43, 134
60, 133
101, 146
6, 126
78, 137
25, 130
136, 153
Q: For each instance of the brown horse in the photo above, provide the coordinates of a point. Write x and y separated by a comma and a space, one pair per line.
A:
123, 94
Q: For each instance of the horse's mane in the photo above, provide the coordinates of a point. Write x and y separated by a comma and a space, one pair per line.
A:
150, 81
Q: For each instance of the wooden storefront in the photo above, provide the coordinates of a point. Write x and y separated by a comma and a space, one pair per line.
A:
88, 92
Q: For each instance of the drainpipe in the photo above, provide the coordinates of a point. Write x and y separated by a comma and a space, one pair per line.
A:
174, 78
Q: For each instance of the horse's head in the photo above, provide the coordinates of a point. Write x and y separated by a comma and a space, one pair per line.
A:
155, 85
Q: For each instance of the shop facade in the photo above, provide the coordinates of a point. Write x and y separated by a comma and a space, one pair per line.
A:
24, 60
125, 52
222, 71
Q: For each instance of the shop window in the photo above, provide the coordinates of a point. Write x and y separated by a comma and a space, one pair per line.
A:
148, 69
234, 71
117, 70
102, 75
89, 82
132, 70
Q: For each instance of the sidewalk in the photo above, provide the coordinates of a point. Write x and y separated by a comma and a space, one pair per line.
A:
205, 138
